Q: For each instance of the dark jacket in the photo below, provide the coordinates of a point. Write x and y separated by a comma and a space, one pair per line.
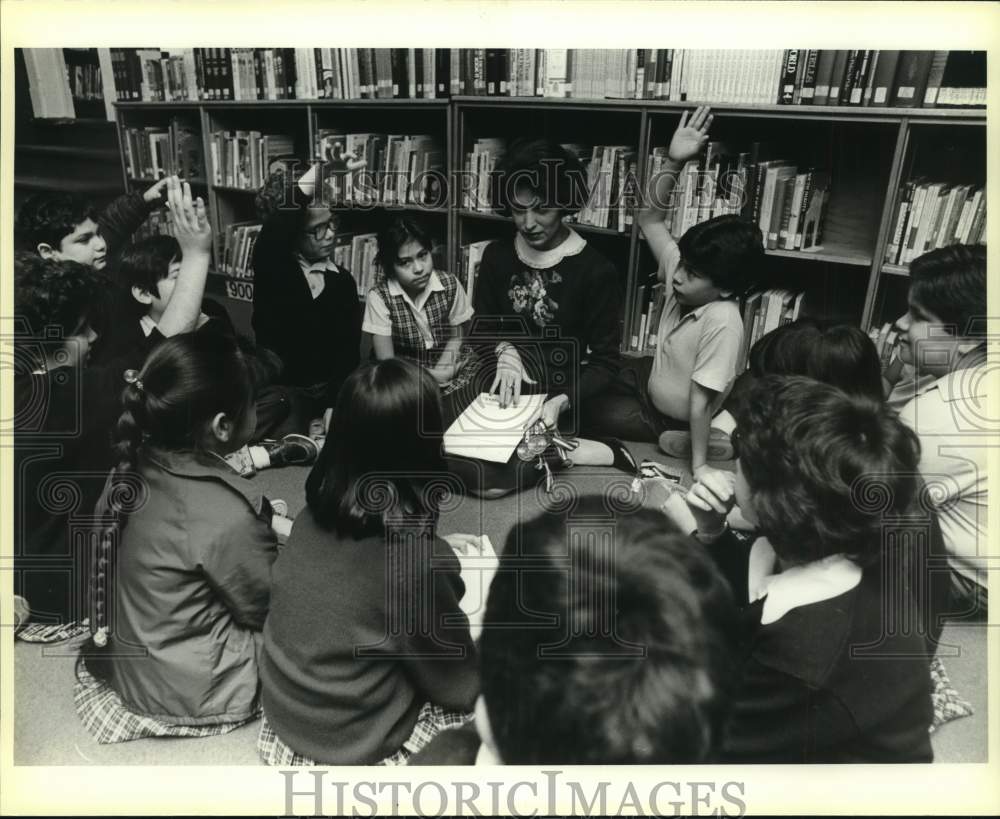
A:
831, 681
318, 340
119, 220
361, 634
192, 591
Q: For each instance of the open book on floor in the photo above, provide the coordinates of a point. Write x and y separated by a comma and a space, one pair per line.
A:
491, 433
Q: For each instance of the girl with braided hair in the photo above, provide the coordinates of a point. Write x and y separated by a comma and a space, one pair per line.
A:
181, 578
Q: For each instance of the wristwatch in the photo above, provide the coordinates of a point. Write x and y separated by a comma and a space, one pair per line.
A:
710, 537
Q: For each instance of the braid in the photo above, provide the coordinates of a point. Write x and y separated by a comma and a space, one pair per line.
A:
118, 500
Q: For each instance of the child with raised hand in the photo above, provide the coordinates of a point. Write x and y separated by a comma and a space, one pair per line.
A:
162, 294
416, 312
701, 330
367, 653
182, 574
818, 474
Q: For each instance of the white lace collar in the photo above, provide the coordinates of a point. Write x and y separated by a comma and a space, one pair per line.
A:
545, 259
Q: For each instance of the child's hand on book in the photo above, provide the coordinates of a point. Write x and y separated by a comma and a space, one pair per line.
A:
690, 136
191, 226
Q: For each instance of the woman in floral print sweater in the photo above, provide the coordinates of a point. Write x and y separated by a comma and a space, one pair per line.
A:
546, 298
544, 302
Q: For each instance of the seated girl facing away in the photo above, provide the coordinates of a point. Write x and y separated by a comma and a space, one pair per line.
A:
416, 312
826, 677
188, 545
367, 654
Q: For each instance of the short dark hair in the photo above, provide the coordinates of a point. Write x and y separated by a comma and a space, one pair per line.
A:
728, 250
951, 283
615, 654
48, 218
841, 355
281, 203
146, 262
824, 468
553, 173
56, 293
397, 233
385, 451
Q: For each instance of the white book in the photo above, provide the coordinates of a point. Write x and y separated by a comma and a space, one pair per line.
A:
491, 433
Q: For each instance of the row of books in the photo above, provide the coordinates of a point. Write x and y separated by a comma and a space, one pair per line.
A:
236, 249
242, 159
611, 172
248, 74
153, 152
911, 79
357, 253
386, 169
159, 223
85, 81
762, 312
929, 215
787, 203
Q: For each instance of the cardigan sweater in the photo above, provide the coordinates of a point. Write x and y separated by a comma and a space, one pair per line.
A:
823, 683
318, 340
361, 633
556, 317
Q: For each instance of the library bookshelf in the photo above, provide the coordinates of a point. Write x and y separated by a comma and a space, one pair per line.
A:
869, 152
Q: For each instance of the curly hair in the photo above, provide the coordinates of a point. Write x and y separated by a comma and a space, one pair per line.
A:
606, 651
57, 294
728, 250
951, 283
48, 218
552, 172
824, 469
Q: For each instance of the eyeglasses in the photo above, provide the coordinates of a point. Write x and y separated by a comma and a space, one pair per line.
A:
320, 232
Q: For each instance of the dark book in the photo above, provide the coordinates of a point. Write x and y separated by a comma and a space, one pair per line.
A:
442, 69
649, 73
504, 83
934, 77
225, 73
911, 79
398, 73
824, 76
963, 82
810, 73
850, 75
786, 81
884, 77
291, 73
418, 67
860, 79
492, 72
837, 77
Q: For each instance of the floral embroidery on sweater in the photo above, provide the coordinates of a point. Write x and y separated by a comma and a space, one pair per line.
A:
529, 294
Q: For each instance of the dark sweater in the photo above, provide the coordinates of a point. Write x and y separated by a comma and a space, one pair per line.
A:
62, 454
822, 684
582, 310
318, 340
343, 672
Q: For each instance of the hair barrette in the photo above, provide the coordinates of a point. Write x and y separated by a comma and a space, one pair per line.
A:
132, 377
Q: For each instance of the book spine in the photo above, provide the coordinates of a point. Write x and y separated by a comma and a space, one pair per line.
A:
860, 77
934, 76
789, 68
850, 76
837, 76
911, 79
808, 93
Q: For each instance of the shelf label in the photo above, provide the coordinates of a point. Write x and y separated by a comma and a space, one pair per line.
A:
239, 290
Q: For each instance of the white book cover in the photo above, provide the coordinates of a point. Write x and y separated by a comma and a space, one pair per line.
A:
491, 433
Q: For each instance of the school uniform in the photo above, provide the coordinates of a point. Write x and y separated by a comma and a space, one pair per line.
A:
825, 677
191, 591
344, 675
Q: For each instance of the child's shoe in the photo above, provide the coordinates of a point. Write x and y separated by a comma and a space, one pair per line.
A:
293, 450
677, 444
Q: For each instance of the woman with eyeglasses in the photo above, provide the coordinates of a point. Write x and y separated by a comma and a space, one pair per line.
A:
305, 307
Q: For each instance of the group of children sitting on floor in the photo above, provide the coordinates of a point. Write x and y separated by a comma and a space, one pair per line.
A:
784, 612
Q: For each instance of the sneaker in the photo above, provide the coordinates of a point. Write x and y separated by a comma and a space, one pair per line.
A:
293, 450
677, 444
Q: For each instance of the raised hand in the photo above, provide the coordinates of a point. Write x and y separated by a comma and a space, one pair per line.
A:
154, 193
191, 226
691, 135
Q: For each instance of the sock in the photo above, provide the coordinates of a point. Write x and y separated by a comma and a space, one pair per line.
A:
260, 458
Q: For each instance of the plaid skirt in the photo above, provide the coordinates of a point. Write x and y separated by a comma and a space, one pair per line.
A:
431, 720
103, 713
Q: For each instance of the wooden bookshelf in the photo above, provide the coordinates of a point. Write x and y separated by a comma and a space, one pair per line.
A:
870, 153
